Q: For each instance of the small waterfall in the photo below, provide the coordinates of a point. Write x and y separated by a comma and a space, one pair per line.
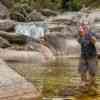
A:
32, 29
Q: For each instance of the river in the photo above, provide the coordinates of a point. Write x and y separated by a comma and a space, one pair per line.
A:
57, 80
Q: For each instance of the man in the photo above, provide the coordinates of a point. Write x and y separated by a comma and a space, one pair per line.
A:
88, 59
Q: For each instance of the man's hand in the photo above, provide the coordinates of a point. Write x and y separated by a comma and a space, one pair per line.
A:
93, 39
82, 34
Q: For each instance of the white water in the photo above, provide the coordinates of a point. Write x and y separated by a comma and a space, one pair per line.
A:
32, 29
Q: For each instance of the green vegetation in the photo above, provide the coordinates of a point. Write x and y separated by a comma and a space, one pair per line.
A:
29, 5
20, 9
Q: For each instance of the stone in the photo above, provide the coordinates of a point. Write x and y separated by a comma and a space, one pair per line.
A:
4, 13
35, 16
42, 56
4, 43
63, 44
48, 12
13, 37
7, 3
7, 25
22, 56
15, 87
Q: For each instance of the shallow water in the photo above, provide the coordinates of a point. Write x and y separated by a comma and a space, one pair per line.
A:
56, 79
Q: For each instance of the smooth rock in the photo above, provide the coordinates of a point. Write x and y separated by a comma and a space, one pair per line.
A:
48, 12
15, 87
7, 25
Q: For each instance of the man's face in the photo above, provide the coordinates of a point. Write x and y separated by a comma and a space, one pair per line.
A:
85, 28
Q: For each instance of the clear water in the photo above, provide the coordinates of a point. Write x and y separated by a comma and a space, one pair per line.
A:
56, 78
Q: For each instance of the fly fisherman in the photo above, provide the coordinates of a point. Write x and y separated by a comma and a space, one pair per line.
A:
88, 59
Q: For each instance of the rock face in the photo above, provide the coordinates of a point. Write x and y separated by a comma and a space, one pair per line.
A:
4, 43
35, 16
7, 25
48, 12
4, 13
15, 87
7, 3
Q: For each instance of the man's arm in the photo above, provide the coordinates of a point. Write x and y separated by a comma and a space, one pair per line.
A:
93, 39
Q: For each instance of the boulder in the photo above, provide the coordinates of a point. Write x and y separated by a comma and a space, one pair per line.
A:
70, 31
4, 13
48, 12
63, 44
43, 55
4, 43
70, 18
7, 25
21, 56
15, 87
7, 3
55, 41
13, 37
35, 16
93, 17
65, 25
55, 28
72, 47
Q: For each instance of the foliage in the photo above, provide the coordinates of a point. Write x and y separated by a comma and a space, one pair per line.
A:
21, 8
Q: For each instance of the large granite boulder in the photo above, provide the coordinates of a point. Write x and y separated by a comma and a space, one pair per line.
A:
15, 87
62, 44
42, 56
72, 47
7, 25
4, 13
